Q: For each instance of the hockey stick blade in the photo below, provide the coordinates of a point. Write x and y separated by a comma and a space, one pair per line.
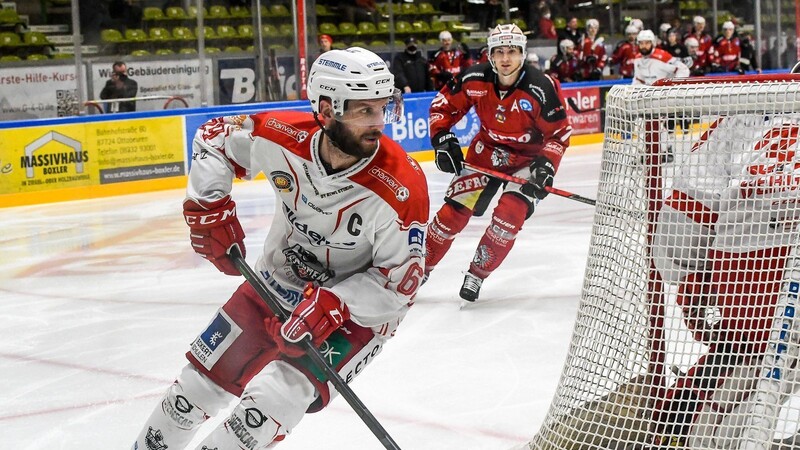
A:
316, 357
513, 179
577, 109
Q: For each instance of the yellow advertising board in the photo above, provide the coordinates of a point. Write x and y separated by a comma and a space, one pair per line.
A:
88, 155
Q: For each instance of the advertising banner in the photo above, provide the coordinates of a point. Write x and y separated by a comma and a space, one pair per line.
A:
163, 78
38, 92
89, 154
584, 111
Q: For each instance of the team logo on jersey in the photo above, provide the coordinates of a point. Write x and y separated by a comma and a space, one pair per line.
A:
501, 157
483, 256
525, 105
479, 147
154, 440
306, 266
282, 181
289, 130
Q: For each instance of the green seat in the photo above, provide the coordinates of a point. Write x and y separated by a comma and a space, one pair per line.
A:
226, 32
10, 58
438, 25
347, 29
208, 32
322, 11
377, 44
367, 28
9, 39
408, 8
159, 34
9, 17
361, 44
434, 42
135, 35
35, 38
559, 23
401, 26
339, 45
152, 13
218, 12
427, 8
175, 13
286, 30
63, 56
239, 11
383, 27
278, 47
111, 36
520, 22
164, 51
420, 26
269, 30
36, 57
182, 33
213, 50
279, 11
191, 12
245, 31
188, 51
233, 49
140, 52
328, 28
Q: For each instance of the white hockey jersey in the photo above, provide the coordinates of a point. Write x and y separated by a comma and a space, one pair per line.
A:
359, 232
657, 65
738, 191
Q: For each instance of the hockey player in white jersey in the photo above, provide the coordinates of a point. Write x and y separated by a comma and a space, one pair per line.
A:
724, 235
345, 253
652, 63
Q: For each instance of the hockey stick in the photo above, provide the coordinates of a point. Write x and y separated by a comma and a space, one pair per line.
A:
316, 357
513, 179
574, 105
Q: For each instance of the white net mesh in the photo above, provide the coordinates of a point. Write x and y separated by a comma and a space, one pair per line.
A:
685, 335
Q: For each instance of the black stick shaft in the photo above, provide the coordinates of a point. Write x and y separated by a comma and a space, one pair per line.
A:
316, 357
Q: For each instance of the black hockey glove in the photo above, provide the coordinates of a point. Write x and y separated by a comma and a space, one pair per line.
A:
542, 173
448, 152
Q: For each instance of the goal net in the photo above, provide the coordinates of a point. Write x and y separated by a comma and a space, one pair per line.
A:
686, 335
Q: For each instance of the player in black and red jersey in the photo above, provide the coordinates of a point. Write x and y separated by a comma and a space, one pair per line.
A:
524, 132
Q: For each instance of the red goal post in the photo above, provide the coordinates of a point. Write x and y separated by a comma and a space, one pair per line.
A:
685, 335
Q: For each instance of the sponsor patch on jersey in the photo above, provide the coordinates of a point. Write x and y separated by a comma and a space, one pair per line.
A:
538, 93
289, 130
283, 181
477, 92
218, 336
416, 240
435, 117
525, 105
400, 191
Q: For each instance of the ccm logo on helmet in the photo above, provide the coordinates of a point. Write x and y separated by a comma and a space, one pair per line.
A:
384, 81
325, 87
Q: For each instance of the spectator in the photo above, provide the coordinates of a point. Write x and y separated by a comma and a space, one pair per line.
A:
593, 56
638, 24
727, 48
362, 11
625, 52
447, 62
748, 60
547, 30
675, 48
120, 86
94, 16
533, 60
483, 55
325, 43
564, 64
570, 31
410, 69
704, 40
489, 12
663, 29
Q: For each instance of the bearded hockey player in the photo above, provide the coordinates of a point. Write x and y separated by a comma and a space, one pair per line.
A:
524, 132
344, 254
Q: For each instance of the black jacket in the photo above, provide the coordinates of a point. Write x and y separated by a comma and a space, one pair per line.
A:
411, 69
127, 89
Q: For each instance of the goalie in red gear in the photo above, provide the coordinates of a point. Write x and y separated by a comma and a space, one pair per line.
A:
344, 255
723, 240
524, 132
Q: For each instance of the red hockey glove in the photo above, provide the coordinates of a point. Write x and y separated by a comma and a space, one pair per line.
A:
316, 317
214, 229
273, 326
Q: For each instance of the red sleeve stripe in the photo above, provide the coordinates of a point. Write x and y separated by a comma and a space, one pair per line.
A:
692, 208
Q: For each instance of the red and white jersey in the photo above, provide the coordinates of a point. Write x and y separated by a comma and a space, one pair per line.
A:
727, 52
517, 125
736, 193
705, 41
624, 54
359, 232
657, 65
592, 55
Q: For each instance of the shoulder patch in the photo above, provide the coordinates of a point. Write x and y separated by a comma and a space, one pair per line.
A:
290, 129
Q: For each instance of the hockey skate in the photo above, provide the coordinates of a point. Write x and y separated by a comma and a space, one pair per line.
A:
471, 287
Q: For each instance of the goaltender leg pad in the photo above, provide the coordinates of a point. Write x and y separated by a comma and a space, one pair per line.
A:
187, 404
273, 403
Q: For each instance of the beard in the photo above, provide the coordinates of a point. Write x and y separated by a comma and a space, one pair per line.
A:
350, 144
